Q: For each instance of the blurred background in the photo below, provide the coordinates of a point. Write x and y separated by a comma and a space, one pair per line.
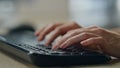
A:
104, 13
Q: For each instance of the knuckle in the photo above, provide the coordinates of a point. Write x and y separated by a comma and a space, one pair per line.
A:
52, 25
93, 27
69, 41
85, 34
100, 38
75, 24
99, 30
69, 32
74, 33
58, 30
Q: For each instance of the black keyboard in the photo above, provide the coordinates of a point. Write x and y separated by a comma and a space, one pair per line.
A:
23, 44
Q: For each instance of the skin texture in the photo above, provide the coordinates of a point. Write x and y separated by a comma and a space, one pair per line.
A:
94, 38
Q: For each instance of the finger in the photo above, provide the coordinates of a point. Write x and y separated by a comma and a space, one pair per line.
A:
75, 24
74, 40
68, 35
47, 30
53, 35
92, 27
99, 31
75, 30
61, 30
95, 30
63, 39
91, 42
81, 30
88, 29
72, 33
38, 31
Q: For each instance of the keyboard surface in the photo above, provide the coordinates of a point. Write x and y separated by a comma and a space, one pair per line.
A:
29, 42
25, 40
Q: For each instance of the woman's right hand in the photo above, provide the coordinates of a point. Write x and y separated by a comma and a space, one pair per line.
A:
93, 38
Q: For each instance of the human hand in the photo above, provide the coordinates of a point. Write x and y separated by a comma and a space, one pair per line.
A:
94, 38
55, 29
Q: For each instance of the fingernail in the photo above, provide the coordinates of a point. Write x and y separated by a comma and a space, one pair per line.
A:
54, 47
47, 43
39, 39
36, 33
